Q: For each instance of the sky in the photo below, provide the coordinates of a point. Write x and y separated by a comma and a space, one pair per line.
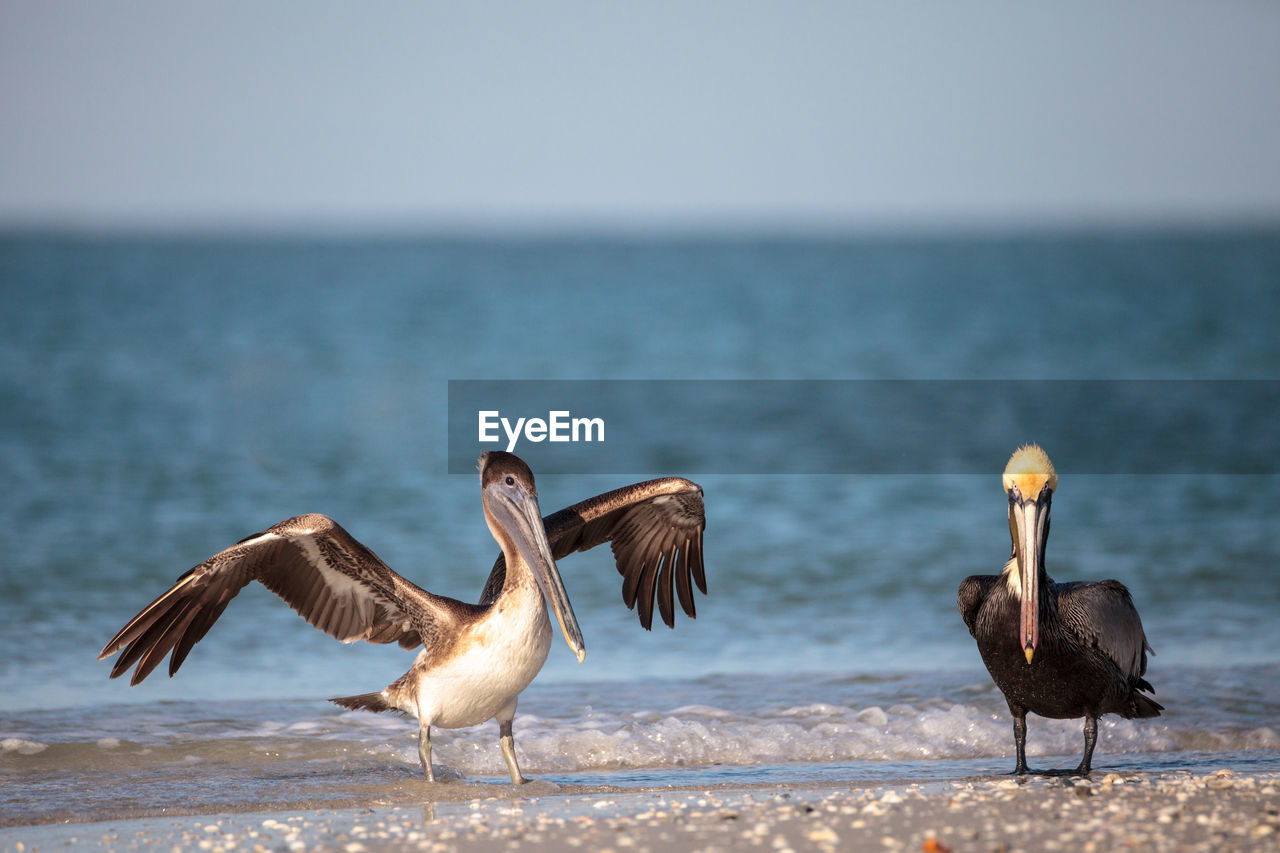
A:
595, 114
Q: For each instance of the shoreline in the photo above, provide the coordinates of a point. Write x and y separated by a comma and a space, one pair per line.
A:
1174, 810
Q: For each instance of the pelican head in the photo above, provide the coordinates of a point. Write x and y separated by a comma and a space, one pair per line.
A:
511, 511
1029, 480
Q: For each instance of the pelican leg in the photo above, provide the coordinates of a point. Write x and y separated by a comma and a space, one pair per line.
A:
424, 751
1020, 740
1090, 740
508, 742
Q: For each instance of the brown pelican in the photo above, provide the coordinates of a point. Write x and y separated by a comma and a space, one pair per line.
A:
475, 658
1060, 650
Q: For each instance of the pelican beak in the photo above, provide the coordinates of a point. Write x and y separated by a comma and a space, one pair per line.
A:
520, 517
1029, 520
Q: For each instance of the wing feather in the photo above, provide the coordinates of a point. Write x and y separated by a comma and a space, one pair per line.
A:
631, 577
696, 567
1102, 615
683, 586
331, 580
199, 626
666, 591
164, 642
157, 624
646, 562
973, 591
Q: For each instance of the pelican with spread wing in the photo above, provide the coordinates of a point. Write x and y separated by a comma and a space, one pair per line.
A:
1060, 650
475, 658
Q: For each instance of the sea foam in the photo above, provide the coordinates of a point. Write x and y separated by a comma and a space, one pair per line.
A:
22, 747
700, 735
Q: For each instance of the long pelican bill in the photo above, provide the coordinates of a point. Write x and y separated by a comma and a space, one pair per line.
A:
1030, 520
522, 519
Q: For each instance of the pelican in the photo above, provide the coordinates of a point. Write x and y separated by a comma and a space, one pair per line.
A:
1060, 650
475, 658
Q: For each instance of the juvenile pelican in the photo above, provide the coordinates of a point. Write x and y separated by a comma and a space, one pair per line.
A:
1060, 650
476, 658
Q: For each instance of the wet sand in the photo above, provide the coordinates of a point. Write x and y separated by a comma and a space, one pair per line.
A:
1171, 811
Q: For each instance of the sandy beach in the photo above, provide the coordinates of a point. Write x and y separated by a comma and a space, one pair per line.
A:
1181, 811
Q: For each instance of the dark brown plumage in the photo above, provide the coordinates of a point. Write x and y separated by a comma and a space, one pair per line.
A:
1080, 651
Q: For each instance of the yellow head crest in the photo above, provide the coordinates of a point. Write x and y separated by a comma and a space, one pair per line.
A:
1030, 470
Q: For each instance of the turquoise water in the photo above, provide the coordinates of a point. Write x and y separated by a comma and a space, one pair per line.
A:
164, 398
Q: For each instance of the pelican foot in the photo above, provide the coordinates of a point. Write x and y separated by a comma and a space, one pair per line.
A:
442, 775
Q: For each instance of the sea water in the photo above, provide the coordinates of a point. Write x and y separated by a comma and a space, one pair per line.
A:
163, 398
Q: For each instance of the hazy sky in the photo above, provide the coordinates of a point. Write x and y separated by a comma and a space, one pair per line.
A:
473, 114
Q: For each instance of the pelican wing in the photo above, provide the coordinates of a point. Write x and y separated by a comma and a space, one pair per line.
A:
1102, 615
655, 529
973, 592
320, 570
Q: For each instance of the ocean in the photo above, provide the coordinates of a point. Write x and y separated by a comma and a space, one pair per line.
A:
166, 397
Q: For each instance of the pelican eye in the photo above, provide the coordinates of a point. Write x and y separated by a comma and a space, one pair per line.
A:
511, 481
